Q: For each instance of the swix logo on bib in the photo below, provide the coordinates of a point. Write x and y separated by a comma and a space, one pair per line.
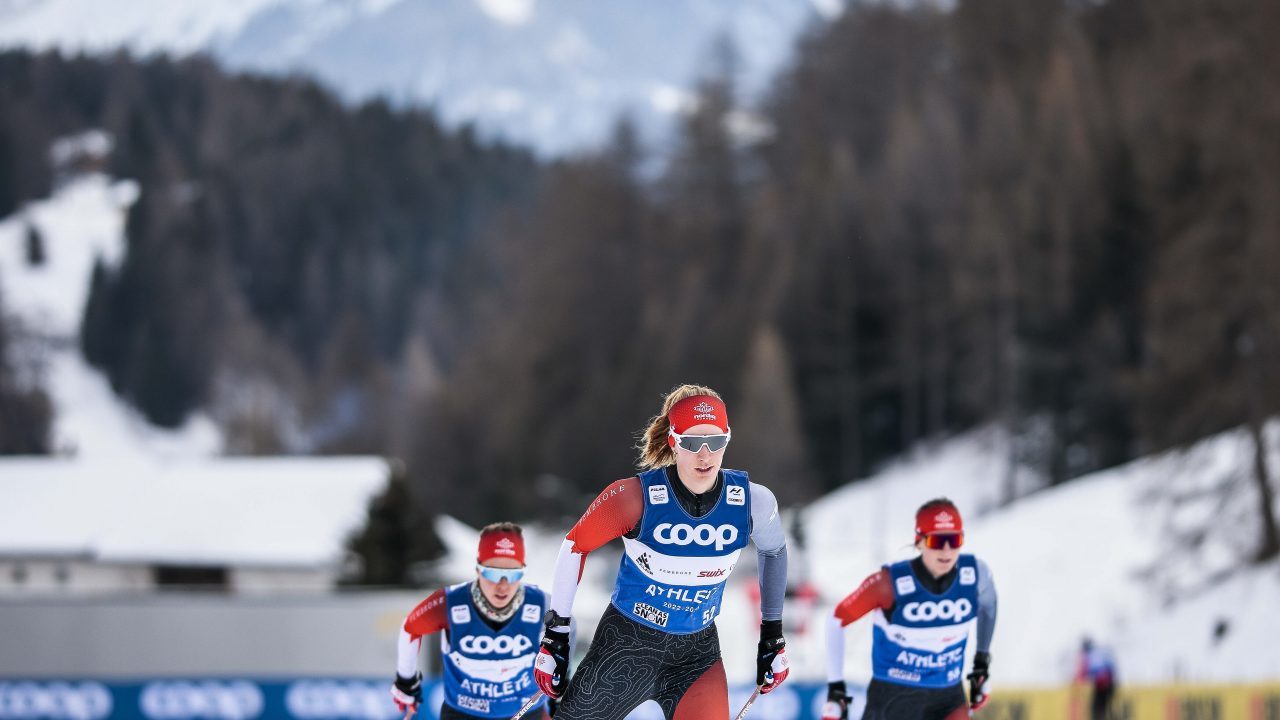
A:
922, 643
683, 534
487, 672
673, 572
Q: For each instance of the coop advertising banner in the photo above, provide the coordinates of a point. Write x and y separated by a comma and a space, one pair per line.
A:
368, 699
301, 699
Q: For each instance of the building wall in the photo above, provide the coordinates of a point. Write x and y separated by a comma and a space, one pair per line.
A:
71, 576
269, 580
176, 634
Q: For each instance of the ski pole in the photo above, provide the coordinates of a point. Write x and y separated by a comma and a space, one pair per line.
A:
743, 712
527, 706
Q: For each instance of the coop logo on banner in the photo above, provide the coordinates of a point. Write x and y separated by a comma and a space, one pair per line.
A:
54, 701
203, 700
333, 699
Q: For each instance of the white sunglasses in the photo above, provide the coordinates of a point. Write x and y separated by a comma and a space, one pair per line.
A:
694, 443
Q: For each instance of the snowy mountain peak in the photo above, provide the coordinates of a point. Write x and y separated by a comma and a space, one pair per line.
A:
555, 76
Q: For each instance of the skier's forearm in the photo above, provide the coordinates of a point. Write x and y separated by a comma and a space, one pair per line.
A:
407, 649
771, 551
773, 582
988, 602
568, 571
835, 649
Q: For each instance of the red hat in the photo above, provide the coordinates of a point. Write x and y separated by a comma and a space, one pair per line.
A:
939, 519
501, 544
698, 410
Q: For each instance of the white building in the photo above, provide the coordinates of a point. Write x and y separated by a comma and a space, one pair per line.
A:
74, 527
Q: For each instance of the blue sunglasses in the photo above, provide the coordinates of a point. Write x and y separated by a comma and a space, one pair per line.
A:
497, 575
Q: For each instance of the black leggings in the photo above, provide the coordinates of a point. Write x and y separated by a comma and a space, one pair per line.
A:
1101, 706
629, 663
890, 701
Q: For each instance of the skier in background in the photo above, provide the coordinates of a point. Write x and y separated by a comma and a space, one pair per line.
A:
1098, 668
920, 608
491, 630
683, 521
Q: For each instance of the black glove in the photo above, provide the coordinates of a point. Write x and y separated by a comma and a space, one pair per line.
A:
772, 666
837, 705
978, 680
551, 669
407, 692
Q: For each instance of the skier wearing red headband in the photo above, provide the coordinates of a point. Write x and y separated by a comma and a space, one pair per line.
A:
491, 629
683, 520
921, 609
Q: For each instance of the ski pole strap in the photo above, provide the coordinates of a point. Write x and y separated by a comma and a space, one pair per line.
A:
743, 712
527, 706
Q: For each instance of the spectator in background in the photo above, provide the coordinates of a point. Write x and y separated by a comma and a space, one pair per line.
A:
1098, 668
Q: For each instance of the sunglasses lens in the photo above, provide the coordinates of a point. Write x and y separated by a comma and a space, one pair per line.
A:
937, 541
694, 443
496, 575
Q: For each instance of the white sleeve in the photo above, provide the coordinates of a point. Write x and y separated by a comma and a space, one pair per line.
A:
407, 649
835, 649
564, 586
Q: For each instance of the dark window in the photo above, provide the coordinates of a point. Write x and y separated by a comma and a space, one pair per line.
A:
198, 578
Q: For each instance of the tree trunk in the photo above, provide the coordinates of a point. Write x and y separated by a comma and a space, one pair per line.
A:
1270, 546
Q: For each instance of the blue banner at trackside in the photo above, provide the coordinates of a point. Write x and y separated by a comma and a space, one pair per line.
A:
300, 699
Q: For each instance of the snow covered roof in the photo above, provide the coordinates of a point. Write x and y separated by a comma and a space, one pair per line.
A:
278, 512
